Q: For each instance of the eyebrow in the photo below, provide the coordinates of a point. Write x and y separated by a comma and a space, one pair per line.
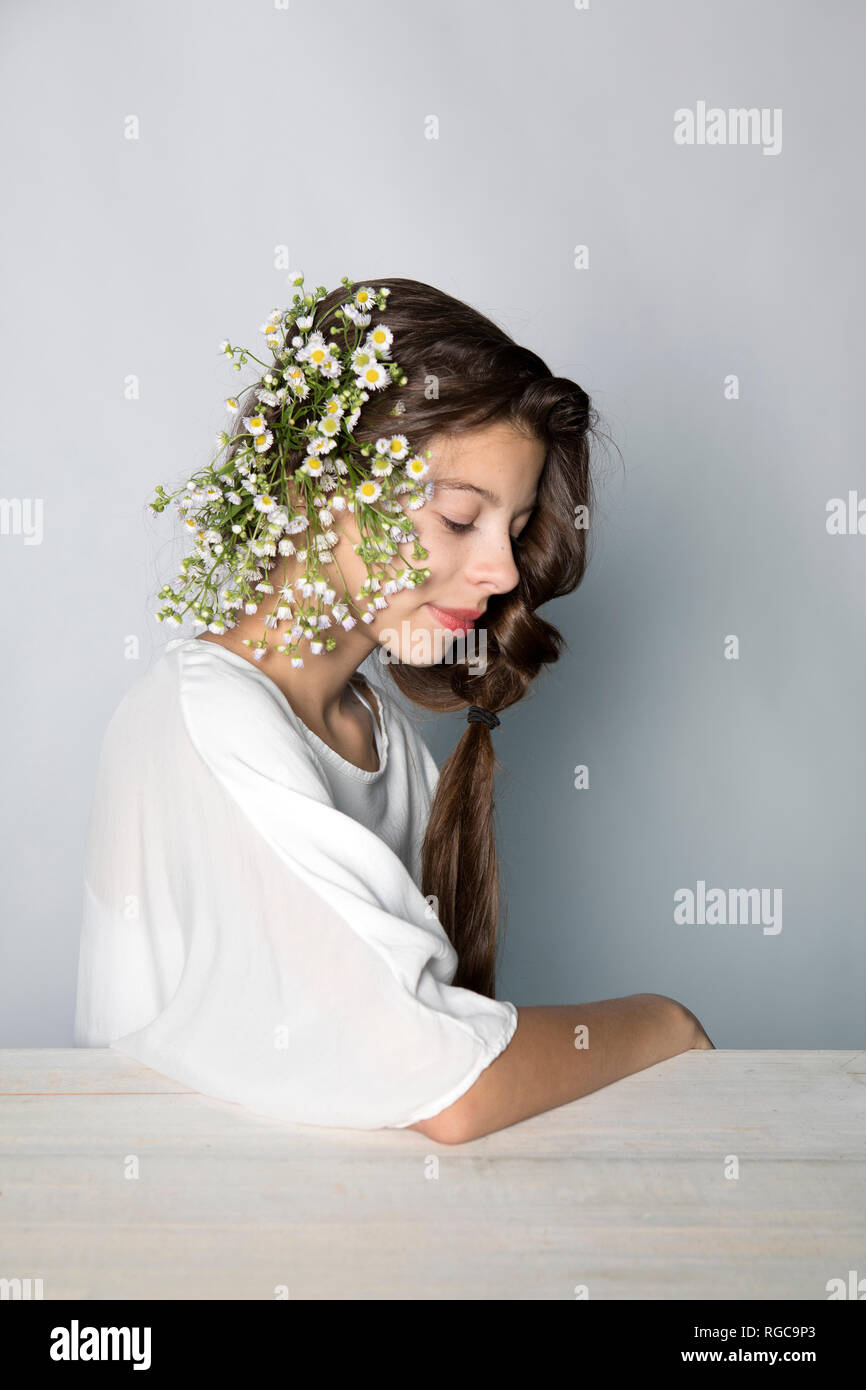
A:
462, 485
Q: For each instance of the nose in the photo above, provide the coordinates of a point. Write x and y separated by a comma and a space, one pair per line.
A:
492, 565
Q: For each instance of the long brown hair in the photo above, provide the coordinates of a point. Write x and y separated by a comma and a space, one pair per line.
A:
481, 376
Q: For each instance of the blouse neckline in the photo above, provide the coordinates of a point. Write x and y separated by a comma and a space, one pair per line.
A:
324, 750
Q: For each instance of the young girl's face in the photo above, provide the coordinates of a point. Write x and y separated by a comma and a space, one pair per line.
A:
485, 486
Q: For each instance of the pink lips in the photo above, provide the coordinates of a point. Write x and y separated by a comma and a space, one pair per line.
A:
457, 619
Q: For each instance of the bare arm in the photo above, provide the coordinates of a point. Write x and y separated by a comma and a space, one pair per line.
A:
542, 1068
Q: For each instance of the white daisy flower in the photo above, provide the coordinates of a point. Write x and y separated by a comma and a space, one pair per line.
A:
398, 447
361, 358
264, 502
231, 406
329, 425
365, 298
381, 467
416, 468
256, 424
264, 442
373, 377
380, 339
368, 491
305, 322
315, 350
267, 397
360, 319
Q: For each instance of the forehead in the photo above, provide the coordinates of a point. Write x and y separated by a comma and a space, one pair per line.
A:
498, 464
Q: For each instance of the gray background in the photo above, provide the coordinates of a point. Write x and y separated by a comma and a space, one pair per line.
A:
305, 127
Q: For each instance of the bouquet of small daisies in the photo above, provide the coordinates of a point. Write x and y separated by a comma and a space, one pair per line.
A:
242, 513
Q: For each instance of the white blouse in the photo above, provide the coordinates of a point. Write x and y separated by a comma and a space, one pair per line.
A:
253, 922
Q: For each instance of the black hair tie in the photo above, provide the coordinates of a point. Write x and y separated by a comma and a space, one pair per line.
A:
477, 715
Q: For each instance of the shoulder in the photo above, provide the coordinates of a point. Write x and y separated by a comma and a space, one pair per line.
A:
240, 722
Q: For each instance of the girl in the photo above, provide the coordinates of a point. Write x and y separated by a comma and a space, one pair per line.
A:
287, 905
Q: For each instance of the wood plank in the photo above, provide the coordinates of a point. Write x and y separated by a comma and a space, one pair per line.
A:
96, 1070
624, 1191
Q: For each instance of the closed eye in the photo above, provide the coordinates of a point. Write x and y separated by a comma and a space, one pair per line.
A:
462, 526
457, 525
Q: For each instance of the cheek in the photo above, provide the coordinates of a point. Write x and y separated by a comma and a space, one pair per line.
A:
444, 547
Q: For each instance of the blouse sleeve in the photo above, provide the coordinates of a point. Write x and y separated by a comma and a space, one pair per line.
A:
316, 981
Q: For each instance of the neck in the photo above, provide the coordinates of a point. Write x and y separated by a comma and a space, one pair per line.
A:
318, 690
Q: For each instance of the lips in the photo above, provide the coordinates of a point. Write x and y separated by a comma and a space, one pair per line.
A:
457, 619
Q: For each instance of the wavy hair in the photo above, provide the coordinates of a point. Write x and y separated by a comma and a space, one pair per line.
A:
482, 376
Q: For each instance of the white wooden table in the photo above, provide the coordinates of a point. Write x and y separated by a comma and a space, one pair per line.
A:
624, 1192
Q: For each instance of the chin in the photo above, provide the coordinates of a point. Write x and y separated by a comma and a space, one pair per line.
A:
414, 642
